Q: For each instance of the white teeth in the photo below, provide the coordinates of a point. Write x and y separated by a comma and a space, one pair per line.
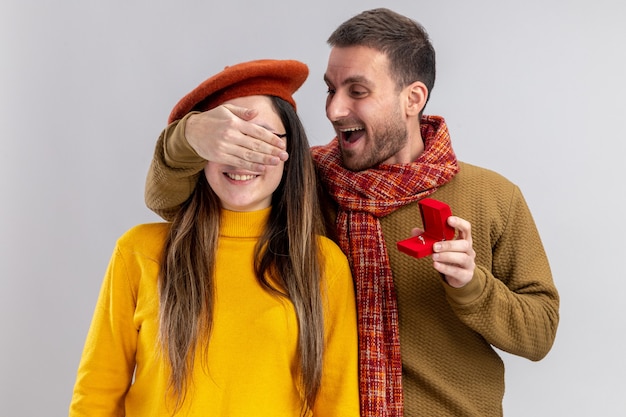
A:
353, 129
238, 177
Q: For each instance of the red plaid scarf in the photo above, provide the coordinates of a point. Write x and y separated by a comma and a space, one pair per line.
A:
363, 198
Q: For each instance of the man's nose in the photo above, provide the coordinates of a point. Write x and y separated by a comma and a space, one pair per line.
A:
337, 107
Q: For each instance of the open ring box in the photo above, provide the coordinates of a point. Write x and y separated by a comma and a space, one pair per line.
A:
434, 218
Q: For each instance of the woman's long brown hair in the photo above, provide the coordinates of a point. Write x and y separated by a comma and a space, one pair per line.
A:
287, 252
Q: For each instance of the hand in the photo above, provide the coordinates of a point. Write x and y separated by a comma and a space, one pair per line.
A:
455, 259
225, 135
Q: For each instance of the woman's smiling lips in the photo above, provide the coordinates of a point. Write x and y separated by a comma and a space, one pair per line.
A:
240, 177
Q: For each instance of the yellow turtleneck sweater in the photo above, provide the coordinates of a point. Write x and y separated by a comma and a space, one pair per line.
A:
252, 356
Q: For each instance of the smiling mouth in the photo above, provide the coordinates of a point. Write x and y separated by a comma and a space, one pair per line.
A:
349, 135
240, 177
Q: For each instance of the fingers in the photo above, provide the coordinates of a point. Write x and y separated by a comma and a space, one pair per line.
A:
223, 135
463, 227
259, 143
416, 231
455, 259
241, 112
232, 160
261, 140
243, 151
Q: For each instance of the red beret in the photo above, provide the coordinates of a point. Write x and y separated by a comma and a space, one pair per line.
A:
270, 77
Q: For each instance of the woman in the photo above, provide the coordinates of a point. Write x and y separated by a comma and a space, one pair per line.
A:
238, 307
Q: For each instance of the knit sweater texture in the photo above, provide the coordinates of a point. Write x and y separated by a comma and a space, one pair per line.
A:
251, 367
449, 337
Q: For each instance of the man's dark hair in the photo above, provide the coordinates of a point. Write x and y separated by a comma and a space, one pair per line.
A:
404, 41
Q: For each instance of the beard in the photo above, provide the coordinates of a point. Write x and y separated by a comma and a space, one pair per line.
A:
386, 138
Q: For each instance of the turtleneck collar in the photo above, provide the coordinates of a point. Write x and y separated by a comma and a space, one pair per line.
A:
244, 223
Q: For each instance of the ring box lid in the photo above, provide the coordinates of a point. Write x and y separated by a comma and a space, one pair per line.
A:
434, 214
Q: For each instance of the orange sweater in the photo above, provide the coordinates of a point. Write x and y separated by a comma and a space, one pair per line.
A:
252, 350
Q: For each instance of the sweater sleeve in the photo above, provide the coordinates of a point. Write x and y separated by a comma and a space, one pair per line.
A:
173, 172
108, 360
513, 304
339, 393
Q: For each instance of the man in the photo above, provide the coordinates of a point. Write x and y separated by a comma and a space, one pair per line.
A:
428, 326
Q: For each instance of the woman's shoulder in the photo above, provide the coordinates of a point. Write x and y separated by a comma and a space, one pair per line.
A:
330, 248
333, 256
147, 239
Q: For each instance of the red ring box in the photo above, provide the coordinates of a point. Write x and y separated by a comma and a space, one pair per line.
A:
434, 218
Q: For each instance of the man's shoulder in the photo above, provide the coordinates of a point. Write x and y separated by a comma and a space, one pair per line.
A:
481, 178
468, 170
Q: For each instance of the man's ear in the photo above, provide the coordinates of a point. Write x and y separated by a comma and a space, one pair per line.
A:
416, 95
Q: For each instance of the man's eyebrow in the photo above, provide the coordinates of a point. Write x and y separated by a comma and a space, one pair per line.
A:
360, 79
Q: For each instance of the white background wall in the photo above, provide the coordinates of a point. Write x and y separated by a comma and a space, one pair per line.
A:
532, 89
